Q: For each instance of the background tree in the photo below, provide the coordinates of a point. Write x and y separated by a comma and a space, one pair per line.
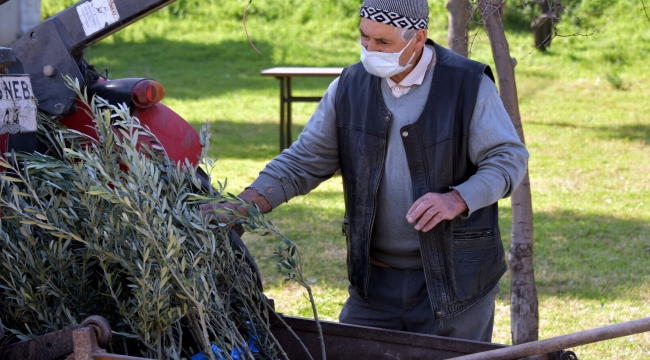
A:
523, 296
544, 25
459, 15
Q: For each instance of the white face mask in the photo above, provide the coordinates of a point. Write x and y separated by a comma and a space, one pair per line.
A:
384, 64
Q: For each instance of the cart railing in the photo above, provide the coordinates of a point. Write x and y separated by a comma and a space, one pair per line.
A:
563, 341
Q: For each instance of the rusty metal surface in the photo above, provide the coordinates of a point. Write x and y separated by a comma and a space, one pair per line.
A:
46, 347
86, 348
343, 341
63, 342
102, 328
85, 344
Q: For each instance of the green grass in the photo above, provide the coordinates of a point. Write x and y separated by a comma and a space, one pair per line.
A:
589, 142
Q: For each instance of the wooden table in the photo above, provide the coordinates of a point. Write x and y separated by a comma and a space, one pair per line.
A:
284, 74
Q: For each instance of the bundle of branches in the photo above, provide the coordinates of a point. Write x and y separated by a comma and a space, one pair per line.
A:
113, 228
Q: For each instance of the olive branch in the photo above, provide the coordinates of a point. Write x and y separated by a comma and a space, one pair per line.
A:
107, 226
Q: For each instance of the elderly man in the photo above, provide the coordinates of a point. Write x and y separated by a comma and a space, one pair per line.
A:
426, 150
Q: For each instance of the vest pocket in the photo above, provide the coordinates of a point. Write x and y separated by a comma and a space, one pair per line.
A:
474, 246
475, 255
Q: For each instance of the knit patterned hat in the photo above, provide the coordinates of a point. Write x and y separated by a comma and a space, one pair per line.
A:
408, 14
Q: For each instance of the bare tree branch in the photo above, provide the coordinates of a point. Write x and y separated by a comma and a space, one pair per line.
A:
574, 34
645, 10
478, 30
246, 30
471, 43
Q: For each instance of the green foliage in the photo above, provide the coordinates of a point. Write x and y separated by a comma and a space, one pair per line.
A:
595, 8
184, 8
52, 7
290, 265
519, 15
287, 264
615, 80
112, 228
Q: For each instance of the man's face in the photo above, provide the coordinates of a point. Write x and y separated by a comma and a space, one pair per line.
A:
376, 36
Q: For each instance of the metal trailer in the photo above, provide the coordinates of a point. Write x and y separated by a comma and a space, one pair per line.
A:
342, 341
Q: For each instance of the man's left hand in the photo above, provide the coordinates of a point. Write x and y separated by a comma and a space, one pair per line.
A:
432, 208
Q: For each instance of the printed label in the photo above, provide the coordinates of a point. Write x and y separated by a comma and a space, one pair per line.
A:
17, 105
97, 14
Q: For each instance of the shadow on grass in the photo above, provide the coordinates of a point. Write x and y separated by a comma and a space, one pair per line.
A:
194, 70
636, 132
587, 256
632, 132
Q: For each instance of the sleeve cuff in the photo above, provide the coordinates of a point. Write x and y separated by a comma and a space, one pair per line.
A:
475, 196
273, 189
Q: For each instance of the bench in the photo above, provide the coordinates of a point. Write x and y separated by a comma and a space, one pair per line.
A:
285, 74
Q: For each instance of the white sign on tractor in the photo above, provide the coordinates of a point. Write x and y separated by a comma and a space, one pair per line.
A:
17, 105
97, 14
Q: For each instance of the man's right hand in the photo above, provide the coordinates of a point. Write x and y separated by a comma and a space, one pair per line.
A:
249, 195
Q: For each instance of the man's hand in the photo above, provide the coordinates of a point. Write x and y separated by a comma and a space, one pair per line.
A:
432, 208
223, 217
249, 195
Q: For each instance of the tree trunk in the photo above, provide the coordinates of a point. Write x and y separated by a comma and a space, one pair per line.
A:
459, 13
543, 26
523, 295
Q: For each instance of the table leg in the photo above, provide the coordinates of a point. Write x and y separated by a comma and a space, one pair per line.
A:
286, 99
282, 110
289, 138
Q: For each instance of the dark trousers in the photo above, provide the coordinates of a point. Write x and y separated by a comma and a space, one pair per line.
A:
398, 300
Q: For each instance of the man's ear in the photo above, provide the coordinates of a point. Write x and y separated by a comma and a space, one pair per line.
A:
420, 39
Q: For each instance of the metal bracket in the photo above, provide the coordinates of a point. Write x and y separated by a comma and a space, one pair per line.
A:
42, 48
562, 355
6, 57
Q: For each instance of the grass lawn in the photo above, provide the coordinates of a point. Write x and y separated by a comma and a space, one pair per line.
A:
584, 106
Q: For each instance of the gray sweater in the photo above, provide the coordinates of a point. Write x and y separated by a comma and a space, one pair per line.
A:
493, 146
